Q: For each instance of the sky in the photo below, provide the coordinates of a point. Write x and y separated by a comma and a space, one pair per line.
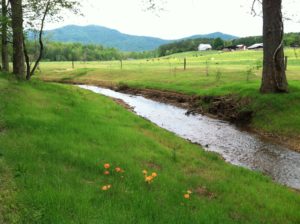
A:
180, 18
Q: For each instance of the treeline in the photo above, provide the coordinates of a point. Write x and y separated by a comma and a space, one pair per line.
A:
57, 51
182, 46
290, 40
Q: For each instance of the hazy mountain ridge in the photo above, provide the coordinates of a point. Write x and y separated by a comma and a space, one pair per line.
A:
107, 37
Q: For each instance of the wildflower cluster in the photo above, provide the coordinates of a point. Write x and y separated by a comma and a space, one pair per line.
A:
149, 179
107, 166
187, 195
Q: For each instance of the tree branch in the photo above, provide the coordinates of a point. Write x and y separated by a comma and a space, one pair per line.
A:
41, 39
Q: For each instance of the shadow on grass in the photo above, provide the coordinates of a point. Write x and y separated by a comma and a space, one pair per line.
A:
81, 72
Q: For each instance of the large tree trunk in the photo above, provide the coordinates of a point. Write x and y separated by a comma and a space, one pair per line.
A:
18, 50
274, 77
4, 50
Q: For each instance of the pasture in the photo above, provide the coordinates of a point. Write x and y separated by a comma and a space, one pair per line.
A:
209, 73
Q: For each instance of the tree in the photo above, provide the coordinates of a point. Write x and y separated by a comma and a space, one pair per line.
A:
4, 28
17, 27
38, 11
274, 77
218, 44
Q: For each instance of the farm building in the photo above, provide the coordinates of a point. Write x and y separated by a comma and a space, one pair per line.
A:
240, 47
204, 47
256, 46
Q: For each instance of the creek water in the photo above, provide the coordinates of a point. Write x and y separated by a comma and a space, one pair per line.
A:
237, 147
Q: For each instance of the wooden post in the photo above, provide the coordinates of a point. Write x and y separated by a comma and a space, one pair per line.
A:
285, 62
206, 68
121, 64
73, 64
184, 63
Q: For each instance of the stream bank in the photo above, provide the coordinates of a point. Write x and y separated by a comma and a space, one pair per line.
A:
230, 108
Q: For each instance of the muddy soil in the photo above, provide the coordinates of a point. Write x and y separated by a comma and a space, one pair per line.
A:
229, 108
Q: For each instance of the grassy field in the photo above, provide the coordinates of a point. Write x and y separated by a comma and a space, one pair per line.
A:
208, 73
55, 139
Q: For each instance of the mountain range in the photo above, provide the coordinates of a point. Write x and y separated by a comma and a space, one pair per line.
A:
107, 37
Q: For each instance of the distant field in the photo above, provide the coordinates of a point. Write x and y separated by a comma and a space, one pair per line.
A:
207, 73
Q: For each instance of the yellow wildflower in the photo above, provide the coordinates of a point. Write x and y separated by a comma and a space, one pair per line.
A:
154, 174
118, 170
186, 196
149, 179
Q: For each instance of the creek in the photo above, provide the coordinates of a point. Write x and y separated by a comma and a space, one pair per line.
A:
236, 146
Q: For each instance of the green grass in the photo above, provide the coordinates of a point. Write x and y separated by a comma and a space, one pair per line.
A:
55, 138
240, 74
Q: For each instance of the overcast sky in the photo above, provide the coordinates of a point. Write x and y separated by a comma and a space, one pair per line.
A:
180, 18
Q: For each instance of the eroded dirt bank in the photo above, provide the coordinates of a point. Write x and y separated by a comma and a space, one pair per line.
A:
229, 108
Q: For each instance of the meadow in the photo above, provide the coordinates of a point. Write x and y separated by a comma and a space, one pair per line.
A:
57, 143
210, 73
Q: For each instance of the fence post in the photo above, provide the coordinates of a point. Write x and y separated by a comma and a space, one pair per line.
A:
286, 62
184, 63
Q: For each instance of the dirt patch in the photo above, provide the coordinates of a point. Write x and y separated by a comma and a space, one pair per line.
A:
154, 166
123, 104
229, 108
203, 192
177, 99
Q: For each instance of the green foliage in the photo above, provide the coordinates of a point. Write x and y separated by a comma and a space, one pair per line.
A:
290, 39
182, 46
218, 44
55, 51
35, 10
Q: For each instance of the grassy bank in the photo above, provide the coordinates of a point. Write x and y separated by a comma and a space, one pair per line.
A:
208, 73
54, 140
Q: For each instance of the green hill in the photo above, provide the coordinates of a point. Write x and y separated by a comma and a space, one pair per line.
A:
112, 38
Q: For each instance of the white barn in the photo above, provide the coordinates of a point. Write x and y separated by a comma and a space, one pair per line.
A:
204, 47
256, 46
